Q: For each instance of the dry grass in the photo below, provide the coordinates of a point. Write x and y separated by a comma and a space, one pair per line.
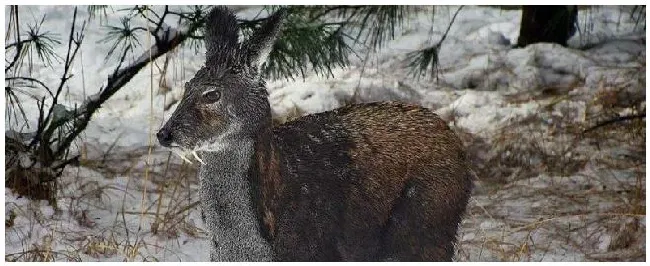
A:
87, 194
556, 183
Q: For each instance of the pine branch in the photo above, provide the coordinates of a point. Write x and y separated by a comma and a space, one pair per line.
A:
340, 10
311, 43
43, 43
52, 150
305, 46
74, 44
33, 80
124, 36
419, 61
160, 22
47, 127
170, 39
374, 25
94, 10
13, 101
19, 44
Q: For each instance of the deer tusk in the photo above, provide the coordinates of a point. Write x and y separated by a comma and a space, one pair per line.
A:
196, 156
182, 156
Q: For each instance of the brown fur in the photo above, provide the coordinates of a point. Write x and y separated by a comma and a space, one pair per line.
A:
270, 181
398, 143
400, 196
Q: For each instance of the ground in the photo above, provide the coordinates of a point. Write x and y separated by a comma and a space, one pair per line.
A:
554, 182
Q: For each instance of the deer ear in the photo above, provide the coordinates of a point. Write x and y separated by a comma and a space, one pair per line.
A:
221, 34
260, 44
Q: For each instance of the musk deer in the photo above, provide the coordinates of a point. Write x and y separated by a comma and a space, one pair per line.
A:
366, 182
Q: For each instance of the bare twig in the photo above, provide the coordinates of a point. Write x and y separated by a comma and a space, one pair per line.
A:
19, 46
69, 59
160, 23
615, 120
444, 36
120, 77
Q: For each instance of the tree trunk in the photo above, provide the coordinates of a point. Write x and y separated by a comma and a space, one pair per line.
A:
551, 24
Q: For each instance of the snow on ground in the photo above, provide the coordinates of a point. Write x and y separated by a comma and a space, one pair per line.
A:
483, 87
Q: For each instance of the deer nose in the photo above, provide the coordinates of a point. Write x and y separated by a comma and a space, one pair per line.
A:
164, 137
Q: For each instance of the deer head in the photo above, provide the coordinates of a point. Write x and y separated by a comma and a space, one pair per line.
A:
227, 98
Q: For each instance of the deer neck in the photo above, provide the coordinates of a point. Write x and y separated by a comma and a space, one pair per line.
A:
230, 200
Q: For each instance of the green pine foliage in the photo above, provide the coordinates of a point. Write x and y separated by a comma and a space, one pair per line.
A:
307, 45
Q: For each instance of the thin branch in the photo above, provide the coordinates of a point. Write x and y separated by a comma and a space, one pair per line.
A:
18, 43
40, 126
73, 160
420, 60
120, 77
31, 80
156, 14
616, 120
51, 149
69, 59
134, 29
181, 15
13, 100
336, 8
122, 59
444, 36
19, 47
160, 23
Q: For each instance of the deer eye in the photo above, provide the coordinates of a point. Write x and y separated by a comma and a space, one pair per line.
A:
211, 96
